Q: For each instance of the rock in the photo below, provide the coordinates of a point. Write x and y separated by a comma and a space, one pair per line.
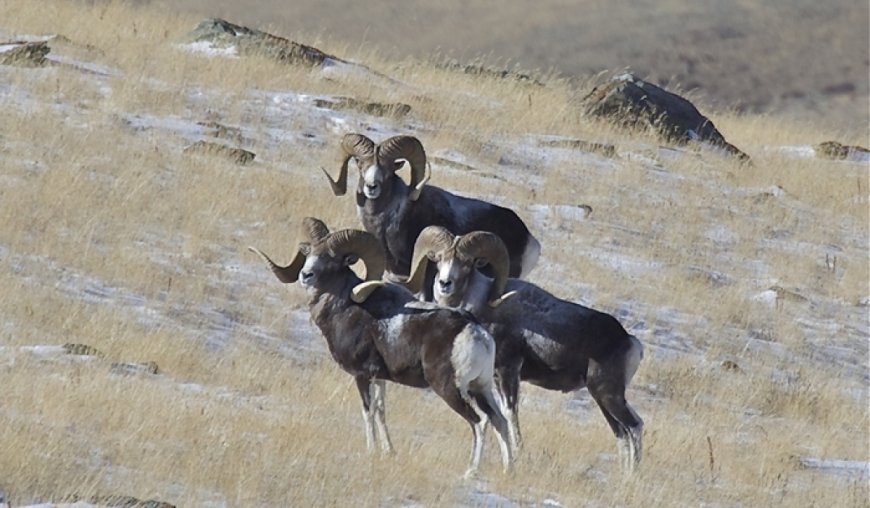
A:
586, 146
632, 102
451, 163
238, 155
783, 294
81, 350
26, 54
115, 501
730, 365
394, 109
480, 70
838, 151
222, 131
130, 368
248, 41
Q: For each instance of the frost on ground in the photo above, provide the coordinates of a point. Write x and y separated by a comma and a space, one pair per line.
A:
218, 321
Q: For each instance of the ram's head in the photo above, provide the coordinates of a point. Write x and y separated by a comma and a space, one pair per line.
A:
378, 163
326, 254
457, 257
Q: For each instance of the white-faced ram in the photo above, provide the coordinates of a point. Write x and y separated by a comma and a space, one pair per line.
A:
396, 212
380, 332
547, 341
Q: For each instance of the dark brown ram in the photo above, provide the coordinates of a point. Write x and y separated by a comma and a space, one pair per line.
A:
541, 339
379, 333
396, 212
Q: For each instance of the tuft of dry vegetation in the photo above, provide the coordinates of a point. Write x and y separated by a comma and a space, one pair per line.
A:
748, 285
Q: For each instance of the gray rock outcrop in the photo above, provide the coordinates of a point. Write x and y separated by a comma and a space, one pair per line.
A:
26, 54
248, 41
632, 102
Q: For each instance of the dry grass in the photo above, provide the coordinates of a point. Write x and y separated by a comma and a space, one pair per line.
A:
111, 236
796, 57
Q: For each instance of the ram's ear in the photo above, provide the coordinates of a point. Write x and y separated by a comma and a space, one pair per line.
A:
305, 248
480, 262
350, 259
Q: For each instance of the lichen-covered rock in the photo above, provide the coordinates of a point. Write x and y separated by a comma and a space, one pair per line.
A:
237, 155
491, 72
131, 368
248, 41
116, 501
604, 149
26, 54
838, 151
390, 109
632, 102
81, 350
221, 131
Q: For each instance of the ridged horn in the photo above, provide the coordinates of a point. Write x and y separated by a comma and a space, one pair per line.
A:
362, 244
488, 246
361, 291
352, 145
410, 149
286, 274
314, 229
431, 240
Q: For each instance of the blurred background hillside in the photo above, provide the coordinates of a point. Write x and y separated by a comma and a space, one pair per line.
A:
800, 58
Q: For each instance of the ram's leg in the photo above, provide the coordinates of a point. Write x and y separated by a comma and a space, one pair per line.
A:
508, 379
378, 392
606, 383
485, 402
364, 386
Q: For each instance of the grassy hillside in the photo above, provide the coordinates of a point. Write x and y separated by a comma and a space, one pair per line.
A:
746, 284
801, 58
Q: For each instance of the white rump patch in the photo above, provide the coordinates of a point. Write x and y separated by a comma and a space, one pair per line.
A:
530, 256
632, 359
473, 357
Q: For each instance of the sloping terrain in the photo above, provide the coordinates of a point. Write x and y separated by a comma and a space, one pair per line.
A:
145, 352
801, 58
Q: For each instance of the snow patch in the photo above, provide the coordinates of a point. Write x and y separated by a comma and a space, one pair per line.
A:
721, 234
804, 151
209, 49
767, 297
550, 216
851, 468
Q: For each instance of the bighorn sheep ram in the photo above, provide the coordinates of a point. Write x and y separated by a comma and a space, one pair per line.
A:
547, 341
382, 333
396, 212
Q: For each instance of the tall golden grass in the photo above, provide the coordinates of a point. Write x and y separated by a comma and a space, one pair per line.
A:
113, 237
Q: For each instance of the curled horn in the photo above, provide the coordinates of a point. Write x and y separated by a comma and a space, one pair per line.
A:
410, 149
285, 274
488, 246
314, 229
352, 145
362, 244
431, 240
